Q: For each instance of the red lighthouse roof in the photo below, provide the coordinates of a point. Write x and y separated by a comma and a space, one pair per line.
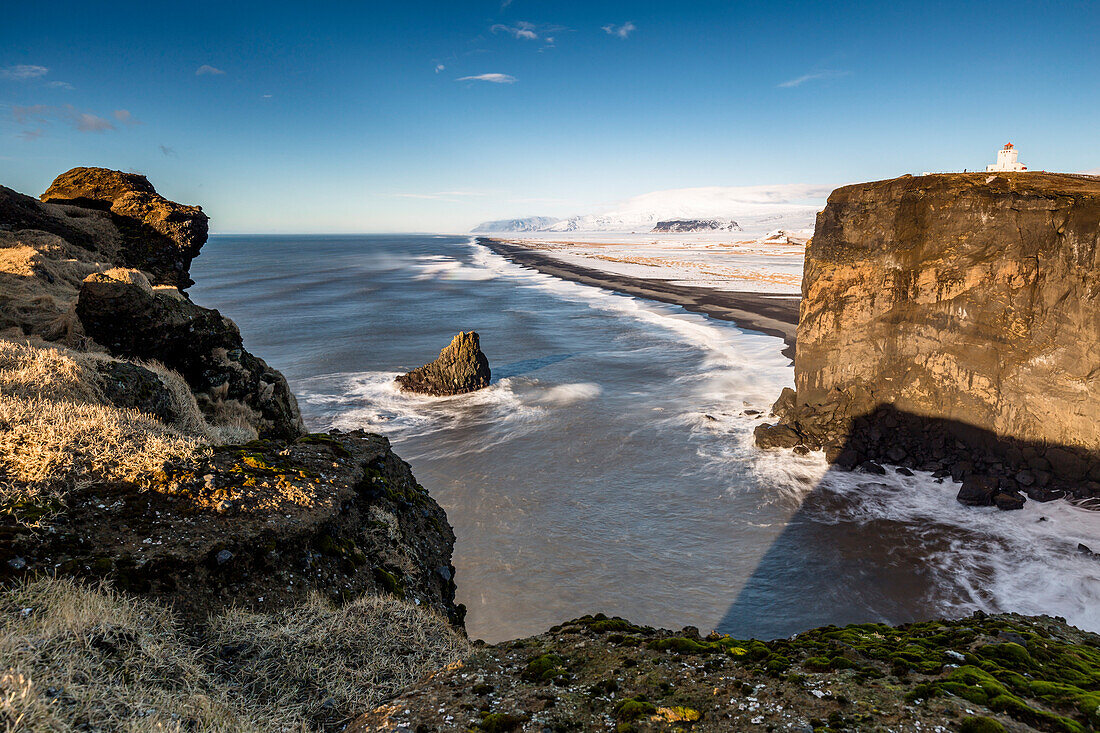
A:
1008, 146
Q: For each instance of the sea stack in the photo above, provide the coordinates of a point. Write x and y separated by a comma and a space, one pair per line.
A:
460, 368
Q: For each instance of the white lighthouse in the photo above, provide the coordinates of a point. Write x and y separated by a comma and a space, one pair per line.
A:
1006, 160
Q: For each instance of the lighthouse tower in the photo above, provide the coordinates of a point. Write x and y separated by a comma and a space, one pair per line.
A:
1006, 160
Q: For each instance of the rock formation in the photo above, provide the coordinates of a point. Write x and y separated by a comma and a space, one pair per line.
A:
160, 236
952, 322
123, 312
461, 367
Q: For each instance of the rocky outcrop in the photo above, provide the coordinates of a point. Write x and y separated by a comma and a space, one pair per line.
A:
673, 226
159, 236
460, 368
952, 322
123, 312
96, 267
260, 525
983, 674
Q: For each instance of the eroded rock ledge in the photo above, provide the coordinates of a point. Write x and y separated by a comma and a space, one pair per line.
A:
952, 323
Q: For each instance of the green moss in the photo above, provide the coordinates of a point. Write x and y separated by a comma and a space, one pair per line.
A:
980, 724
389, 582
502, 722
326, 440
602, 624
632, 709
681, 645
483, 689
544, 668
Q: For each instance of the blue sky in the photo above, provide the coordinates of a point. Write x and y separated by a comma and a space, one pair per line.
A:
368, 116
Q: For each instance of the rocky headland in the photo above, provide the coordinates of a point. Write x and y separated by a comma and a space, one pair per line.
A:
178, 553
951, 323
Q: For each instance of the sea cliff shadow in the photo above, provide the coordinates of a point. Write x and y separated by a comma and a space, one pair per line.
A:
847, 556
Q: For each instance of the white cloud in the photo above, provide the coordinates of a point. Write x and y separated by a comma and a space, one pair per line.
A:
124, 116
87, 122
799, 81
439, 68
208, 70
621, 31
22, 72
505, 3
1093, 172
494, 78
60, 85
42, 114
522, 29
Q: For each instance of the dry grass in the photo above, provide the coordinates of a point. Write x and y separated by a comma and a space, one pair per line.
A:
74, 658
90, 659
57, 429
354, 657
40, 276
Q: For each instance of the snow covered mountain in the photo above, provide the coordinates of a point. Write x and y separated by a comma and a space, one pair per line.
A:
788, 206
529, 224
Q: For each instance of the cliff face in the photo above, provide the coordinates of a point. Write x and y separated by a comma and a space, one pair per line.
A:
971, 300
140, 442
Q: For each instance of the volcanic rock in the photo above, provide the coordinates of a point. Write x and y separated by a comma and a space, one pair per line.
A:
460, 368
132, 319
159, 236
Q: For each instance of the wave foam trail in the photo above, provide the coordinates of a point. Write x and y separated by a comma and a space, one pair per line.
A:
1024, 561
507, 409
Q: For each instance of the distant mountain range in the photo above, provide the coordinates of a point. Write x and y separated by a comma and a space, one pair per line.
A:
710, 209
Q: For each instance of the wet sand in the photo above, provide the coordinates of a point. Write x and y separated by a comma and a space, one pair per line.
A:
775, 315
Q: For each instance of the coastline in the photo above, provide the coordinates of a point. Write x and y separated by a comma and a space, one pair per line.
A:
775, 315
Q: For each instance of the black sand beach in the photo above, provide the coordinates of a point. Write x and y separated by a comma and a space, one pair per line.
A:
775, 315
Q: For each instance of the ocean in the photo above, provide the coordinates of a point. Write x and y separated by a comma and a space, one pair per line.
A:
609, 467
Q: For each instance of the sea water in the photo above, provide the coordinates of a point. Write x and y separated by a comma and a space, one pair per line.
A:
609, 467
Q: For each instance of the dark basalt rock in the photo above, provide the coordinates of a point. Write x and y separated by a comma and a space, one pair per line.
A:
159, 236
776, 436
123, 312
460, 368
977, 491
130, 385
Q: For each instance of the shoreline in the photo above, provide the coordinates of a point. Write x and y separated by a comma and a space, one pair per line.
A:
768, 313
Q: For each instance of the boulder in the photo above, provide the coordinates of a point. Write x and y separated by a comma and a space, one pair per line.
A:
460, 368
158, 235
122, 311
775, 436
1009, 500
978, 491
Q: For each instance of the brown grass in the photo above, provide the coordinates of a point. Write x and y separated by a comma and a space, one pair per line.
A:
76, 658
58, 430
355, 657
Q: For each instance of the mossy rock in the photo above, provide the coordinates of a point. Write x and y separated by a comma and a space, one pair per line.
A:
980, 724
502, 722
544, 668
631, 709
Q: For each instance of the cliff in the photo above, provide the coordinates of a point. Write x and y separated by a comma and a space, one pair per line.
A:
141, 443
952, 323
